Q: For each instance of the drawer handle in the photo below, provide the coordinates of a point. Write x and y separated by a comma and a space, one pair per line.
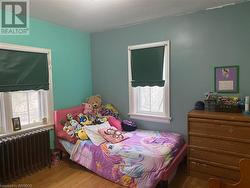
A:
204, 165
199, 164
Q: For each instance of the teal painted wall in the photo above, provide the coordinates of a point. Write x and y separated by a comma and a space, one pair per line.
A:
199, 42
70, 59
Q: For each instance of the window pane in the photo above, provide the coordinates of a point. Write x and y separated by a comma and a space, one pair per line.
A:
150, 99
20, 106
26, 106
34, 107
144, 99
157, 99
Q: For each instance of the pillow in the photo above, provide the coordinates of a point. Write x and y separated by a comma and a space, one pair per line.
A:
112, 135
94, 135
115, 123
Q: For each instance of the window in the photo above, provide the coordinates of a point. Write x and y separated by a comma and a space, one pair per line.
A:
33, 107
149, 100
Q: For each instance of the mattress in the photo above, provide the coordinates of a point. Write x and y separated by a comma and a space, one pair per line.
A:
67, 145
139, 161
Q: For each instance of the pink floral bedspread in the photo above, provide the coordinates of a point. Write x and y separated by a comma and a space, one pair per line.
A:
136, 162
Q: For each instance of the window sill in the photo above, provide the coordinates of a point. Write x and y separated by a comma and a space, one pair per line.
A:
152, 118
12, 133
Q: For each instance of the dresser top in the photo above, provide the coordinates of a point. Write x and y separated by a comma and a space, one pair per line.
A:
219, 115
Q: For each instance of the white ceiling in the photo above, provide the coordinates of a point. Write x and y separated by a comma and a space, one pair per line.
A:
99, 15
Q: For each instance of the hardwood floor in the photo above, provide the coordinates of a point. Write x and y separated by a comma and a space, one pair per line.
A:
67, 174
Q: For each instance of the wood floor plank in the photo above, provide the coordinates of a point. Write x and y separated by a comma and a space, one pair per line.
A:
67, 174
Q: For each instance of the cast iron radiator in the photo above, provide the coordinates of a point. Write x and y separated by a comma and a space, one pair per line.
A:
23, 154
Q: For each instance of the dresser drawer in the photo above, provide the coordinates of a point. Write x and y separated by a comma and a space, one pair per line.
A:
212, 156
214, 170
206, 177
226, 145
236, 130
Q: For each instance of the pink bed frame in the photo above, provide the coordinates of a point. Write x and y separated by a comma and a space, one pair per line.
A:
169, 171
60, 115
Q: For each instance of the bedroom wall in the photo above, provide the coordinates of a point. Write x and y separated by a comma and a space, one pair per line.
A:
70, 59
199, 42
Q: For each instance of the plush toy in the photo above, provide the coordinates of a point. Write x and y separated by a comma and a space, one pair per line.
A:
87, 108
109, 110
96, 103
111, 107
81, 134
100, 120
73, 122
129, 125
71, 126
65, 124
68, 128
84, 119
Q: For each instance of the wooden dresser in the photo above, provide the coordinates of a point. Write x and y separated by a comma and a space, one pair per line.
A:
217, 141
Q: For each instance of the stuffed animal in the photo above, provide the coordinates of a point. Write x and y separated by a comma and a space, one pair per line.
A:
129, 125
87, 108
81, 134
65, 124
111, 107
100, 120
84, 119
109, 110
96, 103
71, 131
73, 128
73, 122
68, 128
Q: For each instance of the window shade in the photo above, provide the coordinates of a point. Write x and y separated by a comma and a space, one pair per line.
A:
147, 67
23, 71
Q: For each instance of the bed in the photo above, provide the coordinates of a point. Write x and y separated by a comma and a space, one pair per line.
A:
145, 159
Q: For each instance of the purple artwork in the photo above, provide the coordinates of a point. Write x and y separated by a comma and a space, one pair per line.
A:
226, 79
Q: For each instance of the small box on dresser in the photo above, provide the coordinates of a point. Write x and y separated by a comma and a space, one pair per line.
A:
217, 141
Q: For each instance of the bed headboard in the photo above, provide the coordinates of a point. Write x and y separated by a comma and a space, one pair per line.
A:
60, 115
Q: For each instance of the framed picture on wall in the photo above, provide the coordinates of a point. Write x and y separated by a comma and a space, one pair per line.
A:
226, 79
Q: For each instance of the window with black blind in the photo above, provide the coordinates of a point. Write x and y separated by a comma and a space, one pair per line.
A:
149, 82
25, 87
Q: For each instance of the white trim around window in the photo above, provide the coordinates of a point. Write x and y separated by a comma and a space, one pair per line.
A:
133, 101
47, 97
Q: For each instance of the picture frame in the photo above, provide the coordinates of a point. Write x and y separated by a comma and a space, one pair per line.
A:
226, 79
16, 123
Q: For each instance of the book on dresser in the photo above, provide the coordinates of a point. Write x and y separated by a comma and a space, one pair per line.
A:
217, 142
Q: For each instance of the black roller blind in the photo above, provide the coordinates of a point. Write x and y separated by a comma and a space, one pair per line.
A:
147, 67
23, 71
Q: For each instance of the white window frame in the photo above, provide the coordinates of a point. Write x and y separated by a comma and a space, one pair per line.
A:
133, 94
5, 118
